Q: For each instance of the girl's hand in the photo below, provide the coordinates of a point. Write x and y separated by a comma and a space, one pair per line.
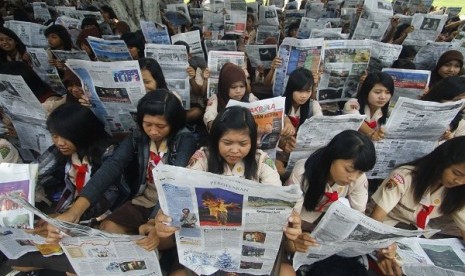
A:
304, 241
289, 144
294, 226
377, 135
387, 261
288, 129
206, 73
151, 241
84, 101
277, 62
260, 69
190, 72
40, 228
162, 225
447, 135
54, 234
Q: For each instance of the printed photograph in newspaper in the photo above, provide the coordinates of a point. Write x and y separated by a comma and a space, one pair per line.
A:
218, 207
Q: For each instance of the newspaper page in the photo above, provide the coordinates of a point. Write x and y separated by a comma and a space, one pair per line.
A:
61, 10
261, 55
220, 45
69, 22
277, 3
21, 180
411, 6
216, 60
269, 116
412, 131
329, 34
113, 88
46, 72
263, 32
307, 25
268, 16
344, 62
196, 16
173, 61
181, 8
213, 25
295, 53
26, 113
429, 54
114, 256
14, 243
317, 131
226, 223
81, 14
349, 233
193, 39
382, 55
31, 34
441, 257
374, 20
154, 33
63, 56
291, 16
408, 83
41, 13
426, 27
109, 50
453, 11
313, 9
235, 17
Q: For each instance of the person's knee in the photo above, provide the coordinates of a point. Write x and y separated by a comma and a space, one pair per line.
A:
110, 226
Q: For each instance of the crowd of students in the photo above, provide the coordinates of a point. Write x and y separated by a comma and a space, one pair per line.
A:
87, 175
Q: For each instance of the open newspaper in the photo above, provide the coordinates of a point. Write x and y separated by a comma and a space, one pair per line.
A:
14, 243
193, 39
426, 27
261, 55
374, 20
21, 180
412, 130
213, 25
382, 55
429, 54
344, 62
41, 13
411, 6
408, 83
268, 115
268, 16
216, 60
225, 223
307, 25
296, 53
220, 45
317, 131
154, 32
173, 61
109, 50
63, 56
26, 113
113, 88
442, 257
235, 17
47, 72
345, 232
264, 32
31, 34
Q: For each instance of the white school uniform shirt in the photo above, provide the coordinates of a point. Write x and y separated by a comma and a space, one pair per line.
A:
348, 109
316, 110
356, 192
211, 111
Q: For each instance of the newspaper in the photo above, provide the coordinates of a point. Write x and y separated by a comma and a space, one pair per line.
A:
261, 55
216, 60
268, 16
348, 233
344, 63
31, 34
429, 54
109, 50
113, 88
453, 11
69, 22
213, 25
21, 180
426, 27
412, 131
173, 61
278, 3
196, 16
296, 53
235, 17
14, 243
314, 10
81, 14
26, 113
154, 32
61, 10
374, 20
233, 224
269, 116
192, 38
317, 131
182, 8
307, 25
408, 83
41, 13
220, 45
63, 56
114, 256
46, 72
263, 32
442, 257
291, 16
382, 55
329, 34
411, 6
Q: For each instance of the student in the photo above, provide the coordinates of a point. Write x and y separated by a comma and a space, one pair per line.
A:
373, 101
232, 84
334, 171
426, 188
109, 20
136, 44
249, 35
152, 74
91, 22
11, 47
84, 45
449, 64
58, 38
162, 138
299, 106
447, 90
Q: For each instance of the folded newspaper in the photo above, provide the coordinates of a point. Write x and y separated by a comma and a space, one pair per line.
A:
225, 223
348, 233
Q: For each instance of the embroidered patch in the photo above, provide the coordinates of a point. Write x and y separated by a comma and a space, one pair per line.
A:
395, 180
4, 151
239, 169
437, 201
210, 103
269, 162
398, 178
196, 156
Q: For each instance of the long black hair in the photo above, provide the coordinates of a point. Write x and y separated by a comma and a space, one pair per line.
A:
155, 70
20, 47
300, 79
428, 171
232, 118
61, 32
347, 145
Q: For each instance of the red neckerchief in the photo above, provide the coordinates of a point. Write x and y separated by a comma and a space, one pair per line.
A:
153, 162
294, 121
372, 124
331, 197
80, 178
422, 217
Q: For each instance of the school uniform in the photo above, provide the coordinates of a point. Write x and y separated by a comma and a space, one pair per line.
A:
315, 110
266, 172
8, 153
395, 197
211, 111
356, 192
371, 119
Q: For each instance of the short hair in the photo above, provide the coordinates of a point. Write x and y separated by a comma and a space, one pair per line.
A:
180, 42
161, 102
89, 21
135, 39
155, 70
61, 32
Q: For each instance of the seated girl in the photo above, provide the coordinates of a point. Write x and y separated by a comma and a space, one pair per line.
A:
373, 101
449, 64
